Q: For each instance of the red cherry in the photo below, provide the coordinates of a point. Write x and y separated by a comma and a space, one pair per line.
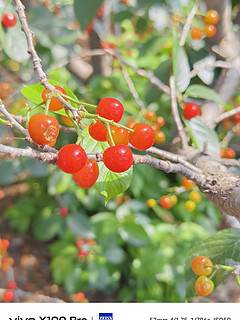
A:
165, 202
9, 19
71, 158
8, 296
236, 118
4, 243
63, 211
119, 135
111, 109
88, 175
118, 158
98, 131
12, 285
55, 104
191, 110
82, 253
43, 129
143, 136
79, 243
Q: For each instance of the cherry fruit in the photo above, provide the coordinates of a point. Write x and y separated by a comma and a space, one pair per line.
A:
212, 17
43, 129
191, 110
71, 158
55, 104
196, 33
187, 183
202, 266
165, 202
111, 109
143, 136
204, 286
210, 30
88, 175
119, 135
118, 158
9, 20
8, 296
98, 131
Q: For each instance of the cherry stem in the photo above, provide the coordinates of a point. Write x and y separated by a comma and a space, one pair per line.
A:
4, 122
110, 135
47, 106
237, 278
106, 121
77, 101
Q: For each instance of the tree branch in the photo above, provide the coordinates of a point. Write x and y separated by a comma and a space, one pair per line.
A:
35, 58
176, 114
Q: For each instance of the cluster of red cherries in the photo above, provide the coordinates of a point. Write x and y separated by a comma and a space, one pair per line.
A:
72, 158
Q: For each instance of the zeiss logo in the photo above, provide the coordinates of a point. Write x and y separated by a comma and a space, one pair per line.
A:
105, 316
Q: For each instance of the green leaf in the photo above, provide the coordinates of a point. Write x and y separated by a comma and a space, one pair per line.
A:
109, 183
80, 225
48, 225
201, 133
203, 92
33, 93
134, 234
222, 248
14, 43
85, 11
181, 68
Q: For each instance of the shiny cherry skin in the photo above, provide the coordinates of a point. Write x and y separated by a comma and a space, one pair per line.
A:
202, 266
98, 131
204, 286
211, 17
118, 158
71, 158
43, 129
111, 109
210, 30
191, 110
9, 20
143, 136
88, 175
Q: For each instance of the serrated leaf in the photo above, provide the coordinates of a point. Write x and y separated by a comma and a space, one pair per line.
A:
203, 92
223, 248
200, 133
109, 183
85, 11
181, 68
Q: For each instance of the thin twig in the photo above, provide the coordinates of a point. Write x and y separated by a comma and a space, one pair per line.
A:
176, 114
215, 64
227, 114
14, 123
20, 9
150, 76
188, 24
130, 83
